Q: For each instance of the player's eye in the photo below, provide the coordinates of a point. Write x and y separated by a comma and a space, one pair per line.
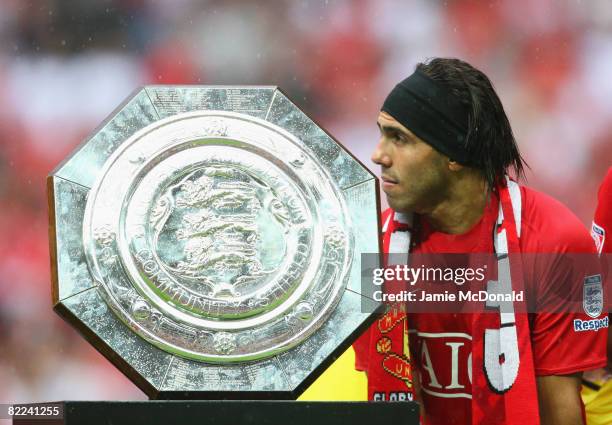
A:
397, 137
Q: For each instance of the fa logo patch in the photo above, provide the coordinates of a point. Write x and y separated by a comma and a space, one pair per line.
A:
599, 236
592, 301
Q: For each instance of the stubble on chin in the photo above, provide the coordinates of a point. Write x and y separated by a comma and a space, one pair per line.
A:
399, 205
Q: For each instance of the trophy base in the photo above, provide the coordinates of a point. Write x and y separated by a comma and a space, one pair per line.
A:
229, 413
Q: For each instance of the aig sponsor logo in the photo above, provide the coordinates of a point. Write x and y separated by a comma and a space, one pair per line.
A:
445, 364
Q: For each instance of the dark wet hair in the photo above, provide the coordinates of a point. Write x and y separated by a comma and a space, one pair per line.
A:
489, 140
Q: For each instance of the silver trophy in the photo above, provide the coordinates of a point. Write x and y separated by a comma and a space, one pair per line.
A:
208, 240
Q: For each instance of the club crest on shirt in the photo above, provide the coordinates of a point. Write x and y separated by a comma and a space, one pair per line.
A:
592, 300
599, 236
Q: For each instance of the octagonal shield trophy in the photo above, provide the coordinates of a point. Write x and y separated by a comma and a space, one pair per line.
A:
207, 241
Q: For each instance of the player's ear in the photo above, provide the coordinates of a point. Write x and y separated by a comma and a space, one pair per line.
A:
454, 165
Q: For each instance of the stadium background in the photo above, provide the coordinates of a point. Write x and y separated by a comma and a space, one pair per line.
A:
66, 64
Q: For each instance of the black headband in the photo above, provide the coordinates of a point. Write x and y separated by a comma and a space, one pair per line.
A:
432, 113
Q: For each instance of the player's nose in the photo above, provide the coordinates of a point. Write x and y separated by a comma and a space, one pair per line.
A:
380, 156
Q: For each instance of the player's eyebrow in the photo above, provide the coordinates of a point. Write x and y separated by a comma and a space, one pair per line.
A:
388, 129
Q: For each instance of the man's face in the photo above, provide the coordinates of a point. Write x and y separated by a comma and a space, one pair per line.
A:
415, 176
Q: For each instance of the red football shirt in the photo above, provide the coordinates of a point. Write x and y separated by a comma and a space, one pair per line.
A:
441, 343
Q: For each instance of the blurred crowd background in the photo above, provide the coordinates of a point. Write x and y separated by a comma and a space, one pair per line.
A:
66, 64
